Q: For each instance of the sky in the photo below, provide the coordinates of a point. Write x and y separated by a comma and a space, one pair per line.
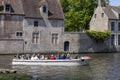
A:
114, 2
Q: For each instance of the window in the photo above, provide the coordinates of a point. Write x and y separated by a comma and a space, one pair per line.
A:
19, 34
54, 38
35, 23
119, 16
118, 39
25, 42
35, 37
112, 26
102, 15
119, 26
112, 39
95, 15
66, 46
44, 8
8, 8
1, 7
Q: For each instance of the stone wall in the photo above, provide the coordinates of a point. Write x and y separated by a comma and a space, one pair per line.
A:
11, 46
45, 35
9, 25
80, 42
99, 22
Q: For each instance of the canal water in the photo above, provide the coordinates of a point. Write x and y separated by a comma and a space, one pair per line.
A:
103, 66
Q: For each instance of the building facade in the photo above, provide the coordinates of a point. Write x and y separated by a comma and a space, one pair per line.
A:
107, 18
28, 26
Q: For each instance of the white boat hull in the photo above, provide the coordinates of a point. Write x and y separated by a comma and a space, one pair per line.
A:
64, 62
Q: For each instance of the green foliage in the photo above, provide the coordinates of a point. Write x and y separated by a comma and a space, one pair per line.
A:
98, 36
14, 77
78, 13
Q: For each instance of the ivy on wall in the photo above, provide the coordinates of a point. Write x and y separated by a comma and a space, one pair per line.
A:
98, 36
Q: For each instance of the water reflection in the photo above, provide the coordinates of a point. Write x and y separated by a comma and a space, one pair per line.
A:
106, 67
102, 67
56, 72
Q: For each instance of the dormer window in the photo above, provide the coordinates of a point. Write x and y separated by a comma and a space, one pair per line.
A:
1, 7
119, 16
95, 15
8, 8
44, 9
102, 14
35, 23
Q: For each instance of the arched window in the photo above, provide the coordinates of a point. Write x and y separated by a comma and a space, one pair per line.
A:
66, 46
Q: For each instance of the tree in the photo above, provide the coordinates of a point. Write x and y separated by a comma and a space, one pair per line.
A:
78, 13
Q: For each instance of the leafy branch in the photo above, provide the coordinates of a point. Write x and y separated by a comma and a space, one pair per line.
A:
98, 36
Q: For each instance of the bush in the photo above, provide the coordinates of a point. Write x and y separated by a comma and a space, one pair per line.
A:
98, 36
14, 77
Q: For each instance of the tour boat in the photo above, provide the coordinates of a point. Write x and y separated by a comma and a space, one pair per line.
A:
61, 62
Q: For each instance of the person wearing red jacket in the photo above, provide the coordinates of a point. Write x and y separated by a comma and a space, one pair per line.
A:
52, 57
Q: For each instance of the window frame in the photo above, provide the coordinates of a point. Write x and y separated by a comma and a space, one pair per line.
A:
44, 9
18, 33
112, 39
36, 23
102, 14
55, 37
118, 26
95, 15
35, 37
118, 39
8, 8
112, 26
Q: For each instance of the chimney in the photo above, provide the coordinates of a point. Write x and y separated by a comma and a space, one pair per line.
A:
101, 3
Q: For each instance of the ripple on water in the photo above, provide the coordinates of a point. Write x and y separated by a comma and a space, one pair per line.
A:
102, 67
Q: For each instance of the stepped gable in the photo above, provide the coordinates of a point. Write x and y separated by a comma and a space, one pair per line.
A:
31, 9
15, 4
109, 11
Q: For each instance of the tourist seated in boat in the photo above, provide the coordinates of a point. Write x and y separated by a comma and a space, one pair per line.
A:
17, 57
34, 57
52, 57
42, 57
38, 55
28, 56
68, 56
22, 56
46, 57
62, 56
57, 56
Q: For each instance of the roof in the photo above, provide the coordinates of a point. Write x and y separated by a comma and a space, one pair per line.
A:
30, 8
109, 11
16, 5
55, 8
